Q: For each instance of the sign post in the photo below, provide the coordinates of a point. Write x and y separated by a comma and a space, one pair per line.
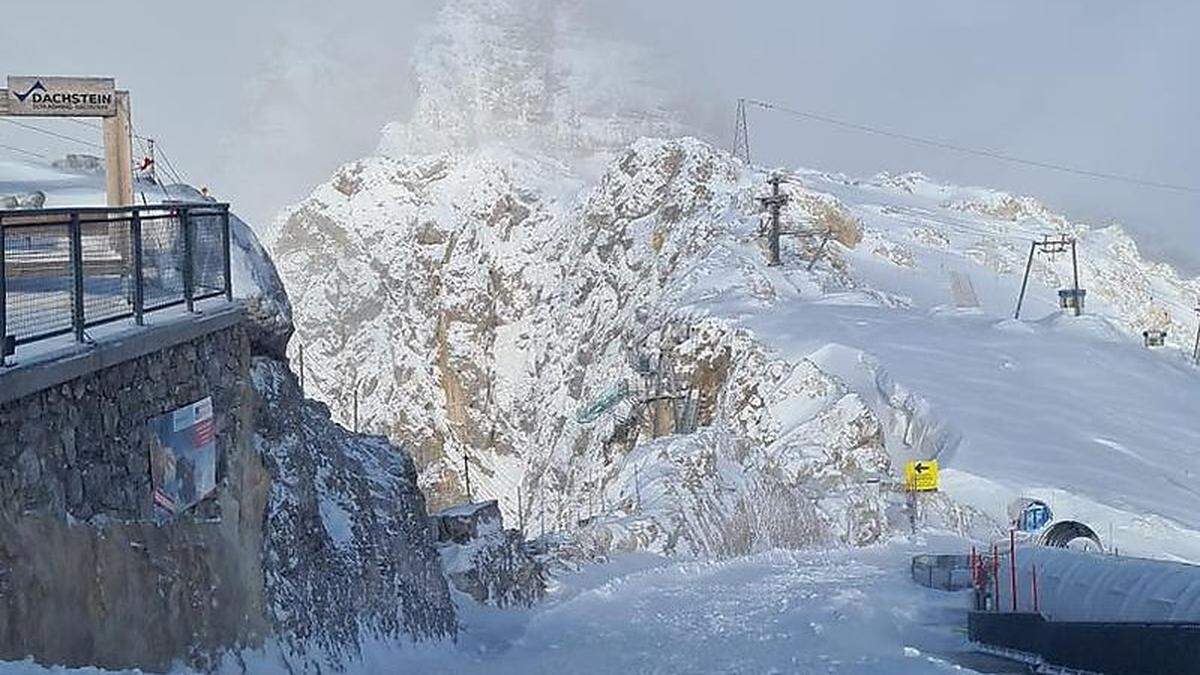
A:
48, 96
921, 475
183, 461
37, 96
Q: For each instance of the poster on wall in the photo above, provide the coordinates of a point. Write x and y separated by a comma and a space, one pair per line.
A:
183, 460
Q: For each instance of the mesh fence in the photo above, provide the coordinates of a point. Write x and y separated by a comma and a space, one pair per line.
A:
107, 256
38, 299
208, 253
38, 279
162, 260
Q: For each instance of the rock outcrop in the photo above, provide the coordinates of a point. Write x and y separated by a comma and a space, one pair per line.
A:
348, 553
493, 565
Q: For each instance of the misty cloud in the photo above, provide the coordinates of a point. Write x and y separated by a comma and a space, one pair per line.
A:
262, 100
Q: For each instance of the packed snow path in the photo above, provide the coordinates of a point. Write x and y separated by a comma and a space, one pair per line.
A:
854, 611
847, 611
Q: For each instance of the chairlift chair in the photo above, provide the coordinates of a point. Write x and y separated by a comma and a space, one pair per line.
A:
1072, 299
1155, 337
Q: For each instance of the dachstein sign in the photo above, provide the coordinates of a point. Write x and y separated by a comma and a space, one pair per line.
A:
62, 96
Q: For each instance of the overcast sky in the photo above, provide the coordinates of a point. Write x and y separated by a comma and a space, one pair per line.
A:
261, 100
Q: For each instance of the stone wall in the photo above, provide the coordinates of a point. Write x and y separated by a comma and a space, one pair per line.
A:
85, 576
82, 447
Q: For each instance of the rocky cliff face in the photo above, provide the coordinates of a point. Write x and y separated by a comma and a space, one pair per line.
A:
555, 319
500, 307
481, 558
479, 300
348, 554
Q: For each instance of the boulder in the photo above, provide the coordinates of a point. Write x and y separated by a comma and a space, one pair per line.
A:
493, 565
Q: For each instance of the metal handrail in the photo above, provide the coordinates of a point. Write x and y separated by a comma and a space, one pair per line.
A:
115, 210
67, 224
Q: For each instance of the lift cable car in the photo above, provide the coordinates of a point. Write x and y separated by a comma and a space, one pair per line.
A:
1157, 325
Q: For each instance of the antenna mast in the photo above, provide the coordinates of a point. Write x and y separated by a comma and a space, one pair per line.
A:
741, 133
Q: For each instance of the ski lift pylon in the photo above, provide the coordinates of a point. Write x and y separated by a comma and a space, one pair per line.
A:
1071, 299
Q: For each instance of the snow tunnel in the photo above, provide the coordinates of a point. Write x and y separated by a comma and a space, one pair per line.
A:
1062, 533
1074, 585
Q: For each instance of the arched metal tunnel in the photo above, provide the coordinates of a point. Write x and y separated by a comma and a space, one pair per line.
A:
1062, 533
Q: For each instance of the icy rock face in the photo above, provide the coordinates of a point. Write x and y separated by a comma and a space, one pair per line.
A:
349, 553
513, 309
480, 298
482, 559
257, 285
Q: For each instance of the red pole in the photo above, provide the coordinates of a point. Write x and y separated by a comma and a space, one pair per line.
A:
1012, 565
1035, 593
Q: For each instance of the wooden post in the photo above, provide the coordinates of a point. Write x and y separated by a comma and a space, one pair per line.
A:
637, 486
1075, 277
118, 153
1196, 349
301, 370
1025, 280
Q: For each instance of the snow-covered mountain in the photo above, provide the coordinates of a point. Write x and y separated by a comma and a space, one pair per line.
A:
480, 283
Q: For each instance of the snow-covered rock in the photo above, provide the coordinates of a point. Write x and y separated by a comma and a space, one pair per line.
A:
255, 282
478, 284
481, 558
348, 553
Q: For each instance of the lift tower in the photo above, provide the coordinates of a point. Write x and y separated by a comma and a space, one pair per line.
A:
774, 203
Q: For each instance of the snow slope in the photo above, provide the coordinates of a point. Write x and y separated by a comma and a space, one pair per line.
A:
824, 612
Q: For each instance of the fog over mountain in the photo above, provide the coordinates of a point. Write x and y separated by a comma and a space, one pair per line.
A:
277, 96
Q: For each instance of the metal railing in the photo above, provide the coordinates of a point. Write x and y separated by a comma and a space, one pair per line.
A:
63, 271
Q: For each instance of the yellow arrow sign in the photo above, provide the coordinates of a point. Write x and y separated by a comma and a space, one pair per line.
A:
921, 475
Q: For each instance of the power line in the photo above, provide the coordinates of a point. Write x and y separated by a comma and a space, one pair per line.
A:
47, 132
23, 151
991, 154
82, 123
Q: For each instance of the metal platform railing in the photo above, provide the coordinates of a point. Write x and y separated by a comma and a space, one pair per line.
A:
63, 271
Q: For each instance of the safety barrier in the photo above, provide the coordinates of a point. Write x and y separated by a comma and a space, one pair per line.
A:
63, 271
1101, 647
